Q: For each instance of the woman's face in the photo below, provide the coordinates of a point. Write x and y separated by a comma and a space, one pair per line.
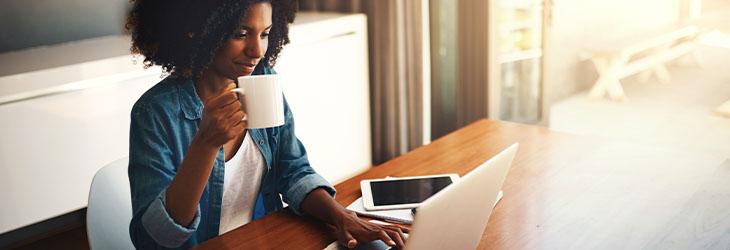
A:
239, 55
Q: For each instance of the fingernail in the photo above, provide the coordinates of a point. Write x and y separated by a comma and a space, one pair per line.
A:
351, 243
392, 243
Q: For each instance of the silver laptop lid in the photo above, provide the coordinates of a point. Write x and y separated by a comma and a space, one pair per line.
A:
456, 217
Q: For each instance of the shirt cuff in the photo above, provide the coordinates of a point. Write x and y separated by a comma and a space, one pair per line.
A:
303, 187
162, 228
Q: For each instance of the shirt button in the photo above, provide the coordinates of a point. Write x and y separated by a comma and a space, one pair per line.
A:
261, 142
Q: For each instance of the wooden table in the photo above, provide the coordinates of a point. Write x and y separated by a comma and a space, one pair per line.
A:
562, 192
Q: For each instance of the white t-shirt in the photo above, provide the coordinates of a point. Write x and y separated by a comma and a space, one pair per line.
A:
241, 185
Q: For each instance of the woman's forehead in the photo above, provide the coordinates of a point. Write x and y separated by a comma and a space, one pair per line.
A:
257, 17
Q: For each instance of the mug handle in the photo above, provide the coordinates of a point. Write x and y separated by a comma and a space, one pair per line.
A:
243, 93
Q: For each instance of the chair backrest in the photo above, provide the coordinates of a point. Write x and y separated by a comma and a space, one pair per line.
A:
110, 208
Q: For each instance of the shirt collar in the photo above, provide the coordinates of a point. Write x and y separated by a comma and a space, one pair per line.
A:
190, 102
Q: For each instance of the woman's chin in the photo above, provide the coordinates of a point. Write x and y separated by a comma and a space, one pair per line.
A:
240, 74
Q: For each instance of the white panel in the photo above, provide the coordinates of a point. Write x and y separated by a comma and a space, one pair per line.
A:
326, 83
53, 145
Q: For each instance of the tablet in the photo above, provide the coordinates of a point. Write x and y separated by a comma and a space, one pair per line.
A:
402, 192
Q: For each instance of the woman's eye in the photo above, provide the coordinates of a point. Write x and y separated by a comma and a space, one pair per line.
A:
264, 35
240, 35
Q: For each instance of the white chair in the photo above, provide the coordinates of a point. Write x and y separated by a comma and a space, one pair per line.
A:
110, 208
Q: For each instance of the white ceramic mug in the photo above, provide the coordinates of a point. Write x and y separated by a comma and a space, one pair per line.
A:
262, 100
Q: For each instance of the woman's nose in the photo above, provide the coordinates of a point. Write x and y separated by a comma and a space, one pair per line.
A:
255, 49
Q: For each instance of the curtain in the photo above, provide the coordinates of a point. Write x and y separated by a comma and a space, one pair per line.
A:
473, 61
395, 42
460, 60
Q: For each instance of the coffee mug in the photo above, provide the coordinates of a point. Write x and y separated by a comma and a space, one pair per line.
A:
262, 100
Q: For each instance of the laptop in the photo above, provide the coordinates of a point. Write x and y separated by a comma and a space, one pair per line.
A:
456, 217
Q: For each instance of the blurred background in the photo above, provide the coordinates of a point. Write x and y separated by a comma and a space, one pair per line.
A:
400, 74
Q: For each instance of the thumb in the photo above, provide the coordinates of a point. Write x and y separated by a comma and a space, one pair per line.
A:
227, 89
346, 239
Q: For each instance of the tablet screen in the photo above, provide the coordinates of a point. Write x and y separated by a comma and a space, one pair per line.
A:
406, 191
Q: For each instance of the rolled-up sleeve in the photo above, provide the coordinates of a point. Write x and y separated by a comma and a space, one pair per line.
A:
151, 170
297, 178
162, 228
303, 186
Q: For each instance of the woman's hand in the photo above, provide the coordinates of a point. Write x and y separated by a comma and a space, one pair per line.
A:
346, 225
352, 230
222, 119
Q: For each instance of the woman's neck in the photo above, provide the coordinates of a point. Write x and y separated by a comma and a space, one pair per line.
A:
210, 83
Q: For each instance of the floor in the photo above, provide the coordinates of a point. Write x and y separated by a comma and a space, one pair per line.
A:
679, 114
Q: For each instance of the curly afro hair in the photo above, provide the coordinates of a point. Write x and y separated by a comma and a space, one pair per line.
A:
183, 36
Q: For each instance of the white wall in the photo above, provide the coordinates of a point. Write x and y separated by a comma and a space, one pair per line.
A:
576, 24
325, 75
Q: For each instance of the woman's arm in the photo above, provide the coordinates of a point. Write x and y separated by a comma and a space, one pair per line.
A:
183, 194
308, 193
221, 122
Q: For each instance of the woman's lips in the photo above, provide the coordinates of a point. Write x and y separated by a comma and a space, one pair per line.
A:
247, 67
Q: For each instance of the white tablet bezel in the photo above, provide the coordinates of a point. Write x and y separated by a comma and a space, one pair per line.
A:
367, 195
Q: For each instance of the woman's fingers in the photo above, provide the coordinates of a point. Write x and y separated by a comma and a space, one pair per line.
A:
353, 230
383, 235
230, 112
238, 116
346, 239
222, 117
238, 129
223, 98
402, 228
397, 235
230, 108
236, 122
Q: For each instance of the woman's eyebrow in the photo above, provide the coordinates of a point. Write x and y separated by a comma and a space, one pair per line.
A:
249, 28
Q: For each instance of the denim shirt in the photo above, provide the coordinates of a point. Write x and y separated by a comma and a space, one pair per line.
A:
163, 123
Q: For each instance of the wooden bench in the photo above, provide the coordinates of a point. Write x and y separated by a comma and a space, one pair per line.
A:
646, 54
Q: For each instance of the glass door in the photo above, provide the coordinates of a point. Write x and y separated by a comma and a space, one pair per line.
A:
518, 29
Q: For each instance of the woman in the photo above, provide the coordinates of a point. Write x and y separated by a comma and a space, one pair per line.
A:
195, 170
